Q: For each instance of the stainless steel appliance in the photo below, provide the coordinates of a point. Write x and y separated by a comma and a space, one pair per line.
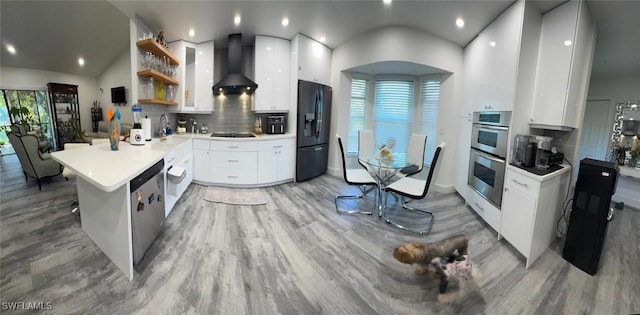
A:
520, 149
147, 208
314, 116
543, 151
490, 132
487, 163
276, 124
234, 82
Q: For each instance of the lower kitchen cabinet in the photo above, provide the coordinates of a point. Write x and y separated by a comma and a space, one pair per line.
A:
276, 160
201, 160
531, 208
234, 163
485, 209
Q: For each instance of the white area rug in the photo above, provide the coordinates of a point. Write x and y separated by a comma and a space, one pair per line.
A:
235, 196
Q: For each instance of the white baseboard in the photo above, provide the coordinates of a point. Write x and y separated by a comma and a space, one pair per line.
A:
444, 189
334, 171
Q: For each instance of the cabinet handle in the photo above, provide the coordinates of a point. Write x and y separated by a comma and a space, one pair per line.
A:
277, 146
477, 205
232, 147
519, 183
232, 161
231, 176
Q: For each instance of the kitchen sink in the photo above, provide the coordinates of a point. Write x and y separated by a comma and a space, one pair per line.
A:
233, 135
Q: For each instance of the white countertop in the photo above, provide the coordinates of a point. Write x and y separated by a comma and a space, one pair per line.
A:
207, 136
108, 169
541, 178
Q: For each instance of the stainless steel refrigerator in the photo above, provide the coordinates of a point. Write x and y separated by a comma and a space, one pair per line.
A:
314, 117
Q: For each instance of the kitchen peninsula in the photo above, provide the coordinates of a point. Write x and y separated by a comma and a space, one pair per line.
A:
102, 180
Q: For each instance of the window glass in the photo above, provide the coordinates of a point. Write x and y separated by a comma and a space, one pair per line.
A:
393, 116
429, 100
357, 111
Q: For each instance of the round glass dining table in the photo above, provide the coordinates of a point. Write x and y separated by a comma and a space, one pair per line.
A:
384, 170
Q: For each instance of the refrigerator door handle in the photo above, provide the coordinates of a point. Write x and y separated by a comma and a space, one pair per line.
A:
319, 113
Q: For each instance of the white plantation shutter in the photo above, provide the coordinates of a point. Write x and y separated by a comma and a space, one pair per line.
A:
357, 112
429, 97
393, 114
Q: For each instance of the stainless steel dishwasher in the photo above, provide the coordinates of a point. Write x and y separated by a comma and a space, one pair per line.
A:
147, 208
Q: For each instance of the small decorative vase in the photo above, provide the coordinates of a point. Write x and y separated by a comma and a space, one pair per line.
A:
114, 134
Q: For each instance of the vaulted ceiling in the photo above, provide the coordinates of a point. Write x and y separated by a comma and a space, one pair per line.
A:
52, 35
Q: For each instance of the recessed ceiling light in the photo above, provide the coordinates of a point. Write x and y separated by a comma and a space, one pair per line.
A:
386, 1
323, 39
268, 47
11, 49
236, 20
81, 61
459, 22
192, 32
492, 44
285, 21
567, 42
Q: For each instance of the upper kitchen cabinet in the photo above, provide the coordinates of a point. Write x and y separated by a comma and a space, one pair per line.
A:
156, 65
272, 70
194, 95
313, 60
567, 42
491, 62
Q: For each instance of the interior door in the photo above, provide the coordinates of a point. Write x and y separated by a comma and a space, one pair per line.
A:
596, 131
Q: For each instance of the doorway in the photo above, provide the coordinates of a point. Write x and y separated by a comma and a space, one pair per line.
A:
596, 130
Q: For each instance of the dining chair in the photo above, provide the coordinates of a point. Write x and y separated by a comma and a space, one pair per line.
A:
355, 177
68, 172
415, 155
365, 147
415, 189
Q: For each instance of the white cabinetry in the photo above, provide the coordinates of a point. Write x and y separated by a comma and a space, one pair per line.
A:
531, 208
276, 160
201, 160
313, 60
272, 70
181, 156
464, 147
567, 41
485, 209
194, 94
491, 62
234, 163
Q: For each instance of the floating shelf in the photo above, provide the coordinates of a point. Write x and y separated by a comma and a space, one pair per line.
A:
150, 44
157, 76
155, 101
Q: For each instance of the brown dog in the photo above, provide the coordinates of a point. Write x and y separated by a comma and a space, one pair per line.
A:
423, 254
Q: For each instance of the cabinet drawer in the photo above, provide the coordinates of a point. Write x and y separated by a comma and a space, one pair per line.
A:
235, 160
522, 182
234, 176
234, 146
199, 144
486, 210
275, 144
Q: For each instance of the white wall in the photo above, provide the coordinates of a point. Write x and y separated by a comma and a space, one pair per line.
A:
617, 90
400, 44
117, 74
16, 78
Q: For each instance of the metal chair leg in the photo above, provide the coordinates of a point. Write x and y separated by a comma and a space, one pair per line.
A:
362, 189
75, 210
428, 214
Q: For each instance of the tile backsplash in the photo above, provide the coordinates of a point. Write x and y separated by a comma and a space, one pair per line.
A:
231, 112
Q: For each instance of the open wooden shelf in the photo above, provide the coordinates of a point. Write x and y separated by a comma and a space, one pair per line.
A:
150, 44
158, 76
155, 101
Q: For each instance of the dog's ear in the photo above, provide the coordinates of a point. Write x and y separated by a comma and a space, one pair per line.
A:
403, 255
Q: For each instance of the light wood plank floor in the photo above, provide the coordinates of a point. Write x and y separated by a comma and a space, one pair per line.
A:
295, 255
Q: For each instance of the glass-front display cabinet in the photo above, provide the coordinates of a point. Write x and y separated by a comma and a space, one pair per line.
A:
65, 110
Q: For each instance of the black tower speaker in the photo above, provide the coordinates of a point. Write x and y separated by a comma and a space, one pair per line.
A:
589, 211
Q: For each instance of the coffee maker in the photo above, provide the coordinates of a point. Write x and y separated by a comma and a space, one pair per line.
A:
519, 155
544, 145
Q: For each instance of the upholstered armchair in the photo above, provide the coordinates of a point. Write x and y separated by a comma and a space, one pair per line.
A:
43, 145
35, 164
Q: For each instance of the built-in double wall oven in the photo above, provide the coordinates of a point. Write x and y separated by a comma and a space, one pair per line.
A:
489, 138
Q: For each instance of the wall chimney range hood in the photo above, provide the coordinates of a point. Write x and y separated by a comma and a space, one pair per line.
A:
235, 82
